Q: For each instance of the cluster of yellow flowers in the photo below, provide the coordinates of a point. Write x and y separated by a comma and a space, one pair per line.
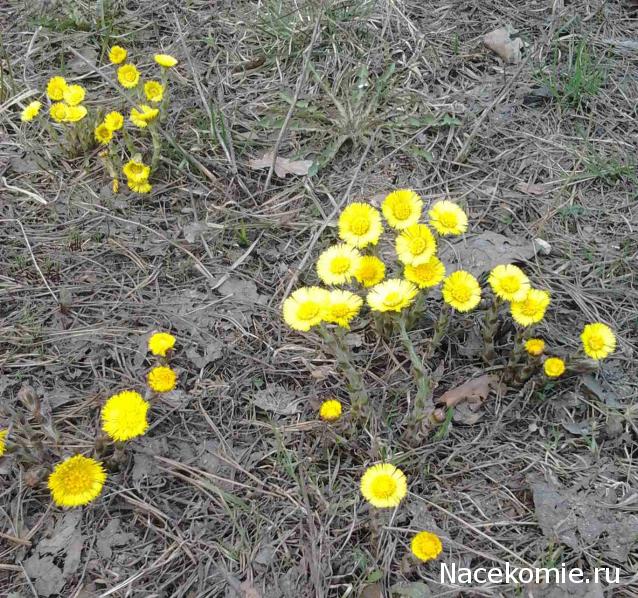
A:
78, 480
147, 98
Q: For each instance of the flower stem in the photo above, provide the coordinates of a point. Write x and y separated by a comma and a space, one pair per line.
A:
490, 326
157, 147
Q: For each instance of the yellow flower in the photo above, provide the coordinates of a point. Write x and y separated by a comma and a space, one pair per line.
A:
58, 111
162, 378
143, 116
76, 481
535, 346
427, 274
554, 367
74, 94
532, 309
117, 54
338, 263
415, 245
3, 441
392, 295
598, 340
154, 91
115, 185
384, 485
75, 114
165, 60
31, 111
160, 343
103, 134
330, 410
402, 208
447, 218
114, 120
304, 308
342, 307
142, 187
124, 416
55, 88
128, 76
360, 225
426, 546
369, 271
462, 291
136, 171
509, 282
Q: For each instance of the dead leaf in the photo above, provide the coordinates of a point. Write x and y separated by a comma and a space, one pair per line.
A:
283, 166
501, 42
481, 253
415, 589
277, 399
531, 188
372, 590
474, 391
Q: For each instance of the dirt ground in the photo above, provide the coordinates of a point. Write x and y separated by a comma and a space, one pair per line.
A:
237, 489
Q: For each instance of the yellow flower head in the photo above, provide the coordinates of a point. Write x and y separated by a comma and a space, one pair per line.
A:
394, 294
532, 309
124, 416
330, 410
115, 185
554, 367
117, 54
447, 218
58, 111
154, 91
462, 291
160, 343
145, 114
76, 481
509, 282
535, 346
55, 88
3, 441
402, 208
128, 76
74, 94
426, 546
162, 378
114, 120
103, 134
369, 271
304, 308
415, 245
142, 187
427, 274
136, 171
338, 263
342, 307
598, 340
31, 111
384, 485
75, 114
165, 60
360, 225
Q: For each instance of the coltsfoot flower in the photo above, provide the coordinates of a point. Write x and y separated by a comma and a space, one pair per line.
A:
76, 481
3, 441
55, 88
402, 208
330, 410
142, 115
114, 120
531, 309
535, 346
369, 271
394, 294
160, 343
142, 187
427, 274
58, 111
31, 111
448, 218
384, 485
305, 307
360, 225
509, 282
136, 171
75, 114
103, 134
342, 307
415, 245
162, 379
554, 367
165, 60
73, 94
124, 416
426, 546
598, 340
117, 54
337, 264
462, 291
154, 91
128, 76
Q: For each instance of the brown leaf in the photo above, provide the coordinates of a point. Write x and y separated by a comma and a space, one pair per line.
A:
475, 391
283, 166
501, 42
372, 590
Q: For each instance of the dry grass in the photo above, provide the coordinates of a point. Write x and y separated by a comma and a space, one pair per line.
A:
222, 498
